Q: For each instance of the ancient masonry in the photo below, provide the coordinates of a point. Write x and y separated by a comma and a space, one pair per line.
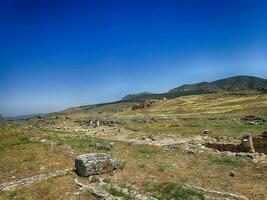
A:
95, 163
145, 104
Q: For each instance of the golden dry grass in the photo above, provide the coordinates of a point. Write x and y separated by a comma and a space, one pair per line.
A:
22, 158
55, 188
144, 164
187, 116
207, 104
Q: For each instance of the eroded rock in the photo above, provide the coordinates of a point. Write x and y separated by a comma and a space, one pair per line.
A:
247, 143
206, 131
174, 146
94, 164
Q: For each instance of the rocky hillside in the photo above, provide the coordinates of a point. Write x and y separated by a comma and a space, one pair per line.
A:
236, 83
132, 96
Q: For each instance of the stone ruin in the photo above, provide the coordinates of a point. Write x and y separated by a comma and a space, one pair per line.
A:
253, 120
247, 144
98, 122
90, 122
145, 104
136, 107
95, 164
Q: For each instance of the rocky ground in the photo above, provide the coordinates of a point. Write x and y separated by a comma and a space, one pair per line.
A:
173, 150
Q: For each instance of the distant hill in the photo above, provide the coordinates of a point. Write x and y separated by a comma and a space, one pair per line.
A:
132, 96
236, 83
19, 117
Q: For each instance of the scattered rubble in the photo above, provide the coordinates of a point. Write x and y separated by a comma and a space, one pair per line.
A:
174, 146
107, 146
149, 138
221, 195
253, 120
190, 151
264, 134
145, 104
100, 191
95, 163
246, 145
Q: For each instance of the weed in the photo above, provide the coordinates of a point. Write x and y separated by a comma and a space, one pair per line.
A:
117, 193
122, 165
161, 167
12, 194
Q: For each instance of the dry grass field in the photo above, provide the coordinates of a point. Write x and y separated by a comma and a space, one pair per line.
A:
153, 170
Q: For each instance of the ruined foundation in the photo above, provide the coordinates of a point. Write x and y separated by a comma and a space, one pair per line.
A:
247, 145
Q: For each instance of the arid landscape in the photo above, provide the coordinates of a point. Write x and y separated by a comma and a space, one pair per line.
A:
133, 100
190, 147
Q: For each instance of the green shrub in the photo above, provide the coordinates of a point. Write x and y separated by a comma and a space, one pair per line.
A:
162, 167
117, 193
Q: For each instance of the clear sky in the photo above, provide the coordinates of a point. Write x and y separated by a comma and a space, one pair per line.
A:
58, 54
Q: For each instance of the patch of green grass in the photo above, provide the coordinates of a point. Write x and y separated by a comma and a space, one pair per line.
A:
162, 167
23, 138
226, 162
148, 151
117, 193
12, 194
166, 191
86, 144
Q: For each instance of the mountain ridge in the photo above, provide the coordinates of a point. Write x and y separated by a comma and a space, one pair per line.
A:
234, 83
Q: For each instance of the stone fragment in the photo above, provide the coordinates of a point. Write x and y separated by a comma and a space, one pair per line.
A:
247, 143
151, 137
264, 134
232, 174
144, 137
174, 146
95, 163
206, 131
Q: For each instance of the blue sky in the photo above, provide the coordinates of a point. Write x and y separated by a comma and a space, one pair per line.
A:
58, 54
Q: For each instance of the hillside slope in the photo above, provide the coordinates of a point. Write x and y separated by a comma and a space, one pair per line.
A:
236, 83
